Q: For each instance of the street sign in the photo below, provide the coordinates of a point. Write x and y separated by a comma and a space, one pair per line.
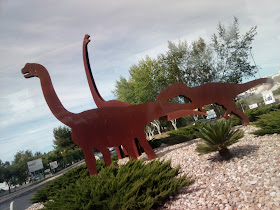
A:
53, 165
268, 97
35, 165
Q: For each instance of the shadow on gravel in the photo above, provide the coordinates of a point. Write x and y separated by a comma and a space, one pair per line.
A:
241, 151
237, 152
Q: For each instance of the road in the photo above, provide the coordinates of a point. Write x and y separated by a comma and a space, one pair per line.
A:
21, 202
21, 199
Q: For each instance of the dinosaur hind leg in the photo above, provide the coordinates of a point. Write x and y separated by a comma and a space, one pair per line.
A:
146, 146
90, 160
232, 106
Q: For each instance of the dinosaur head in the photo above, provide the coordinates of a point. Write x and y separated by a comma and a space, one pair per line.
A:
30, 70
86, 39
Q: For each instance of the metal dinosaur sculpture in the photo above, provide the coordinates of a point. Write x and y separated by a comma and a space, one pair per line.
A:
99, 101
209, 93
107, 126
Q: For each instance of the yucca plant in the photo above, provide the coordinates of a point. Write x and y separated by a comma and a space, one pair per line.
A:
217, 137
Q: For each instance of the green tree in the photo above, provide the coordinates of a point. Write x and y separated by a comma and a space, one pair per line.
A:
224, 59
20, 165
142, 85
197, 65
9, 175
62, 138
2, 168
172, 61
231, 51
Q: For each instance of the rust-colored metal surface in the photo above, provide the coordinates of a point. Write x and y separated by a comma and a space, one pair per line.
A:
107, 126
99, 101
209, 93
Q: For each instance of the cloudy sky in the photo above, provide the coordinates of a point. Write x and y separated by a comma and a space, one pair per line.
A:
122, 32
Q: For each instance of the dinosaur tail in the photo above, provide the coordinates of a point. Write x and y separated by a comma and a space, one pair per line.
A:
248, 85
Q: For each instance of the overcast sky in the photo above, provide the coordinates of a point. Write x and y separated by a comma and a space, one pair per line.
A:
122, 32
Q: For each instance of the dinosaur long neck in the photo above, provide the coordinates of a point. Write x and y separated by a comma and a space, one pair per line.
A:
248, 85
169, 108
176, 89
157, 109
52, 100
99, 101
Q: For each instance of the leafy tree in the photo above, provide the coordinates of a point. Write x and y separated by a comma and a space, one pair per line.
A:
38, 154
172, 61
189, 64
141, 86
218, 137
20, 165
62, 138
232, 52
1, 171
9, 175
224, 59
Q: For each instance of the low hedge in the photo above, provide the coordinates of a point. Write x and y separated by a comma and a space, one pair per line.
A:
178, 136
48, 191
136, 185
254, 114
269, 123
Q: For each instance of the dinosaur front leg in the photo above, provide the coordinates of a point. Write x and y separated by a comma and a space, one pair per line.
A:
227, 112
106, 155
130, 150
90, 160
146, 146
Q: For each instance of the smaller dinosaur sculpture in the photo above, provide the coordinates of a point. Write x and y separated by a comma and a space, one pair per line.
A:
108, 126
209, 93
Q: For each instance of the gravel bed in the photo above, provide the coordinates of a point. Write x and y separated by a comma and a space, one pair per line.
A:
250, 180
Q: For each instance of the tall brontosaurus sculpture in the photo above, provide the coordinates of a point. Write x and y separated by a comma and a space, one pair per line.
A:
209, 93
105, 127
99, 101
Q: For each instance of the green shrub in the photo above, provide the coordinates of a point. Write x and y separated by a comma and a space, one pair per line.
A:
136, 185
235, 120
276, 92
254, 114
70, 177
115, 158
181, 134
269, 123
155, 143
217, 137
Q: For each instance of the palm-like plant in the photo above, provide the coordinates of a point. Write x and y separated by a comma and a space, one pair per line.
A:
217, 137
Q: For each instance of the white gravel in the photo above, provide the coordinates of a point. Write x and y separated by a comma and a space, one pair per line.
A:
250, 180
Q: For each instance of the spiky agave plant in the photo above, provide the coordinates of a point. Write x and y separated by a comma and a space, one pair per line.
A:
217, 137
